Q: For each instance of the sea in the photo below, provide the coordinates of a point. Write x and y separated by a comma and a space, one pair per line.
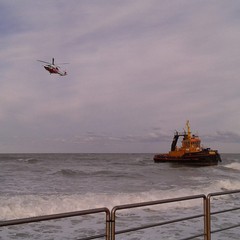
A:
42, 184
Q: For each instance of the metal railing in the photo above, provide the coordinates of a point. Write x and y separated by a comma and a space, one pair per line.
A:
145, 204
209, 213
111, 223
66, 215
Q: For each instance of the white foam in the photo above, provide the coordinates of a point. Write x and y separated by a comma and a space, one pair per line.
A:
234, 165
34, 205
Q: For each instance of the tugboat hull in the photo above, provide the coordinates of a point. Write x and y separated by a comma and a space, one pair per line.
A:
202, 158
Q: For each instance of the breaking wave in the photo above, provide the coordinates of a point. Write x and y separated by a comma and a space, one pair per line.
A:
234, 165
36, 205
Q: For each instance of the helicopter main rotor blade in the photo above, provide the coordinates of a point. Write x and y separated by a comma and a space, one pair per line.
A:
62, 63
43, 61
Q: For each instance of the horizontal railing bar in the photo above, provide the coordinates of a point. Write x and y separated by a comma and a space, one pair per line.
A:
192, 237
223, 193
170, 200
93, 237
53, 217
227, 228
226, 210
157, 224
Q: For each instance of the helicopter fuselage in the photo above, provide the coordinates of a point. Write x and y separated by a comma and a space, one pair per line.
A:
52, 69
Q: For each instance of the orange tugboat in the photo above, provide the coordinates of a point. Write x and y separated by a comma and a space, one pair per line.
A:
190, 153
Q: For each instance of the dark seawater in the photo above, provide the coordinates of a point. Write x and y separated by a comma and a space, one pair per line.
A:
40, 184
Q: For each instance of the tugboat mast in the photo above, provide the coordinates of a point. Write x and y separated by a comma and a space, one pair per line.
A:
188, 129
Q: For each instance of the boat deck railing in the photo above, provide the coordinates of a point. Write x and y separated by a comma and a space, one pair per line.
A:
114, 225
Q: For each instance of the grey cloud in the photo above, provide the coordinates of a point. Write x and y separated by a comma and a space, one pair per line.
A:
133, 65
223, 137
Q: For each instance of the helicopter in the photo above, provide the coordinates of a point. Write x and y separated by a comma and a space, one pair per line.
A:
52, 68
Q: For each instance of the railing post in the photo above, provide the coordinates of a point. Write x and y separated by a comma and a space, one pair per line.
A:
205, 217
208, 217
108, 225
113, 225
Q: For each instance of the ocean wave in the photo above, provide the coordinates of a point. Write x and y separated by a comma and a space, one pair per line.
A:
21, 206
28, 160
96, 174
70, 173
74, 173
234, 165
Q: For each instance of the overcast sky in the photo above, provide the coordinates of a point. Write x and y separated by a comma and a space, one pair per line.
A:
138, 70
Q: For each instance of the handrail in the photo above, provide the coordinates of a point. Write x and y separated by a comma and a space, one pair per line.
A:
151, 203
209, 213
110, 217
65, 215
